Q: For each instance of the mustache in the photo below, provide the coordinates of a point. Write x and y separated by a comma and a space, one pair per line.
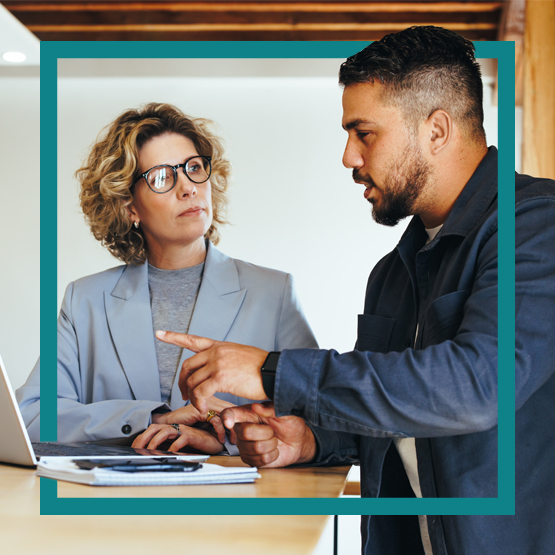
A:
358, 176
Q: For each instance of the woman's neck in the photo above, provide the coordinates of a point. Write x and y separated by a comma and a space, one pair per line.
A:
178, 257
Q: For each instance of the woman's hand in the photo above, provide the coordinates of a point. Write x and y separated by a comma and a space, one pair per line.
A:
200, 439
189, 416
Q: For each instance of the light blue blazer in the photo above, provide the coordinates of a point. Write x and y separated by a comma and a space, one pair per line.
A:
108, 380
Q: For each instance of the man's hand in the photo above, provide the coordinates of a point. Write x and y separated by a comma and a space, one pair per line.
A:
217, 366
265, 440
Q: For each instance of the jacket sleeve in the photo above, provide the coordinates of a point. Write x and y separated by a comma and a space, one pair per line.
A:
28, 399
294, 331
79, 420
450, 387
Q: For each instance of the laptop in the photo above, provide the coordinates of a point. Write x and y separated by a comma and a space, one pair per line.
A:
16, 447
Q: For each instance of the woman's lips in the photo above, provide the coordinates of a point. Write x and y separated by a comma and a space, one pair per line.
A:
194, 211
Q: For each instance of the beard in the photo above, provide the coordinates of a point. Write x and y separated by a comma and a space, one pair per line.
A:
402, 186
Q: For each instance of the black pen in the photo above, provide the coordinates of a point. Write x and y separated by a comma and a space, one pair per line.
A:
184, 466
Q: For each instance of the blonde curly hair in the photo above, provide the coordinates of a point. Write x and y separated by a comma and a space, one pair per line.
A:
111, 168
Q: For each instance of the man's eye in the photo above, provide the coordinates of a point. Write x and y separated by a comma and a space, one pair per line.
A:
361, 134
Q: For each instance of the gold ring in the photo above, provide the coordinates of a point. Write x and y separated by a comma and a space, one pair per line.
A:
210, 414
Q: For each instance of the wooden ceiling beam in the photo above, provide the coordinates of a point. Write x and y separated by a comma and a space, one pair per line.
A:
366, 7
210, 27
242, 35
281, 20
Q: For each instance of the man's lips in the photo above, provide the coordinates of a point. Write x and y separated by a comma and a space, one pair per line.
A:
368, 187
193, 211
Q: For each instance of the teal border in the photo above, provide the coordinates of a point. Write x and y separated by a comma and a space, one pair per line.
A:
504, 504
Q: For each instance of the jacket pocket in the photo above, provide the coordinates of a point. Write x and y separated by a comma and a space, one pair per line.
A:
444, 317
374, 333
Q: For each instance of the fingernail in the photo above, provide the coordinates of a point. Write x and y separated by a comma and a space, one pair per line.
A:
160, 334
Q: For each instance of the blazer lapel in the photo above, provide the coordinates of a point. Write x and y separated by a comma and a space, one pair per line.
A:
219, 301
130, 321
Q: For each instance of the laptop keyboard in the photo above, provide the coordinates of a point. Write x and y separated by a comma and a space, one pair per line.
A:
52, 449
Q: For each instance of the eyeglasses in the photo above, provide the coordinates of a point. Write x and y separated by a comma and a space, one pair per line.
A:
162, 179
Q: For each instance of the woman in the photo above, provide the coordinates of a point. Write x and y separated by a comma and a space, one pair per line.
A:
153, 191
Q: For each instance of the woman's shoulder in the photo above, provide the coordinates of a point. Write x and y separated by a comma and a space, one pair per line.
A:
101, 281
247, 271
259, 272
227, 273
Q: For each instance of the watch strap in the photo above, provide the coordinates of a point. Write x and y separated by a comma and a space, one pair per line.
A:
268, 373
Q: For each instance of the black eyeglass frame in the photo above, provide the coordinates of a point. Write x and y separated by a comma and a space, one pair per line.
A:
175, 168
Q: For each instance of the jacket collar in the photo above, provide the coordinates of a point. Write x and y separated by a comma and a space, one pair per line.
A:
130, 318
474, 201
219, 270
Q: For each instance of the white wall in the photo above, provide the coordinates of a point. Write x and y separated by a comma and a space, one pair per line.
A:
19, 222
293, 205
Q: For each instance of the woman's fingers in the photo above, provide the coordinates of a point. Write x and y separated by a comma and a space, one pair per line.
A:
142, 440
202, 440
196, 438
167, 432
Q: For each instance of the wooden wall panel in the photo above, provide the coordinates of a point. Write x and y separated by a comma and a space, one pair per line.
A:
539, 89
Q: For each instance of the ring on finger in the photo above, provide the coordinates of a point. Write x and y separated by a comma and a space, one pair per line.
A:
177, 429
210, 414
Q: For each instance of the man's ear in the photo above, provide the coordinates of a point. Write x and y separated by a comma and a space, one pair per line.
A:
439, 131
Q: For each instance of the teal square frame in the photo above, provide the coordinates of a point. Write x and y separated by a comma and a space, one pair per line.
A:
50, 504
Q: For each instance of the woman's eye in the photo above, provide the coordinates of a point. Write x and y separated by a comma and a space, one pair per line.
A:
159, 180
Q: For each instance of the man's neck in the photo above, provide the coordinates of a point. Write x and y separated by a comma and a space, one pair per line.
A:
450, 179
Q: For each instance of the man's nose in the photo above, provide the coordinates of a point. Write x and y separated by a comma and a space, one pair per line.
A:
351, 157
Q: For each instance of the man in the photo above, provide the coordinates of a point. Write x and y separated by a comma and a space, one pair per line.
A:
416, 402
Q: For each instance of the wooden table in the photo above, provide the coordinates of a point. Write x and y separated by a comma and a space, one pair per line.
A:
274, 482
23, 531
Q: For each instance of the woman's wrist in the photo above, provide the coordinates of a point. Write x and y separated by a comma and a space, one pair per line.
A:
159, 417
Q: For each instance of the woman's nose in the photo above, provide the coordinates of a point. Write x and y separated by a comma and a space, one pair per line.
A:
185, 187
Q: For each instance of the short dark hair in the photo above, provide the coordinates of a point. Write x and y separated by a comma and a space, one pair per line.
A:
424, 69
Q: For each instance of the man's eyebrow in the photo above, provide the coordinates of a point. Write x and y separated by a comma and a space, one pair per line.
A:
355, 122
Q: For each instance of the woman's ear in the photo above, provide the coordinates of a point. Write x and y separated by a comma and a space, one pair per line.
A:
133, 216
439, 130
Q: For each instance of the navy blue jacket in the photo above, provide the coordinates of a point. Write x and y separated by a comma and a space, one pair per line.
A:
443, 390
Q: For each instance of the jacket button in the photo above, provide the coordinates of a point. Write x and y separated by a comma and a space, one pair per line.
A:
126, 429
